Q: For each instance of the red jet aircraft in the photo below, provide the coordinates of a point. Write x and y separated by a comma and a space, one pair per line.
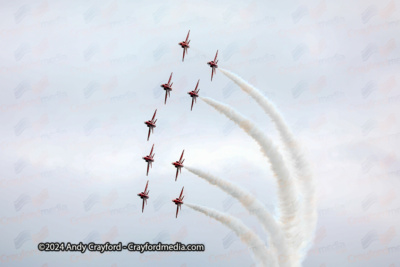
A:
168, 88
185, 45
178, 201
178, 165
151, 124
149, 159
144, 195
213, 65
194, 94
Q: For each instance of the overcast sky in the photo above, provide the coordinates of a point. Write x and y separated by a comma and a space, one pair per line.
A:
79, 80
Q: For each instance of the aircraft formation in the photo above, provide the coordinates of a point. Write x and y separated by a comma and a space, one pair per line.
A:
151, 124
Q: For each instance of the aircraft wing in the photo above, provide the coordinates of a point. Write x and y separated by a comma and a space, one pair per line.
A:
176, 176
142, 205
146, 186
216, 56
151, 151
197, 85
177, 210
170, 78
187, 37
181, 193
181, 156
154, 115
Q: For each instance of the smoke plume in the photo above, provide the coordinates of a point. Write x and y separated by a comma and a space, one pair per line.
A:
260, 251
288, 204
255, 207
303, 172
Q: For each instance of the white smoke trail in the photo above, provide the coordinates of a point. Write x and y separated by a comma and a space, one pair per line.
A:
254, 206
262, 254
303, 172
287, 193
